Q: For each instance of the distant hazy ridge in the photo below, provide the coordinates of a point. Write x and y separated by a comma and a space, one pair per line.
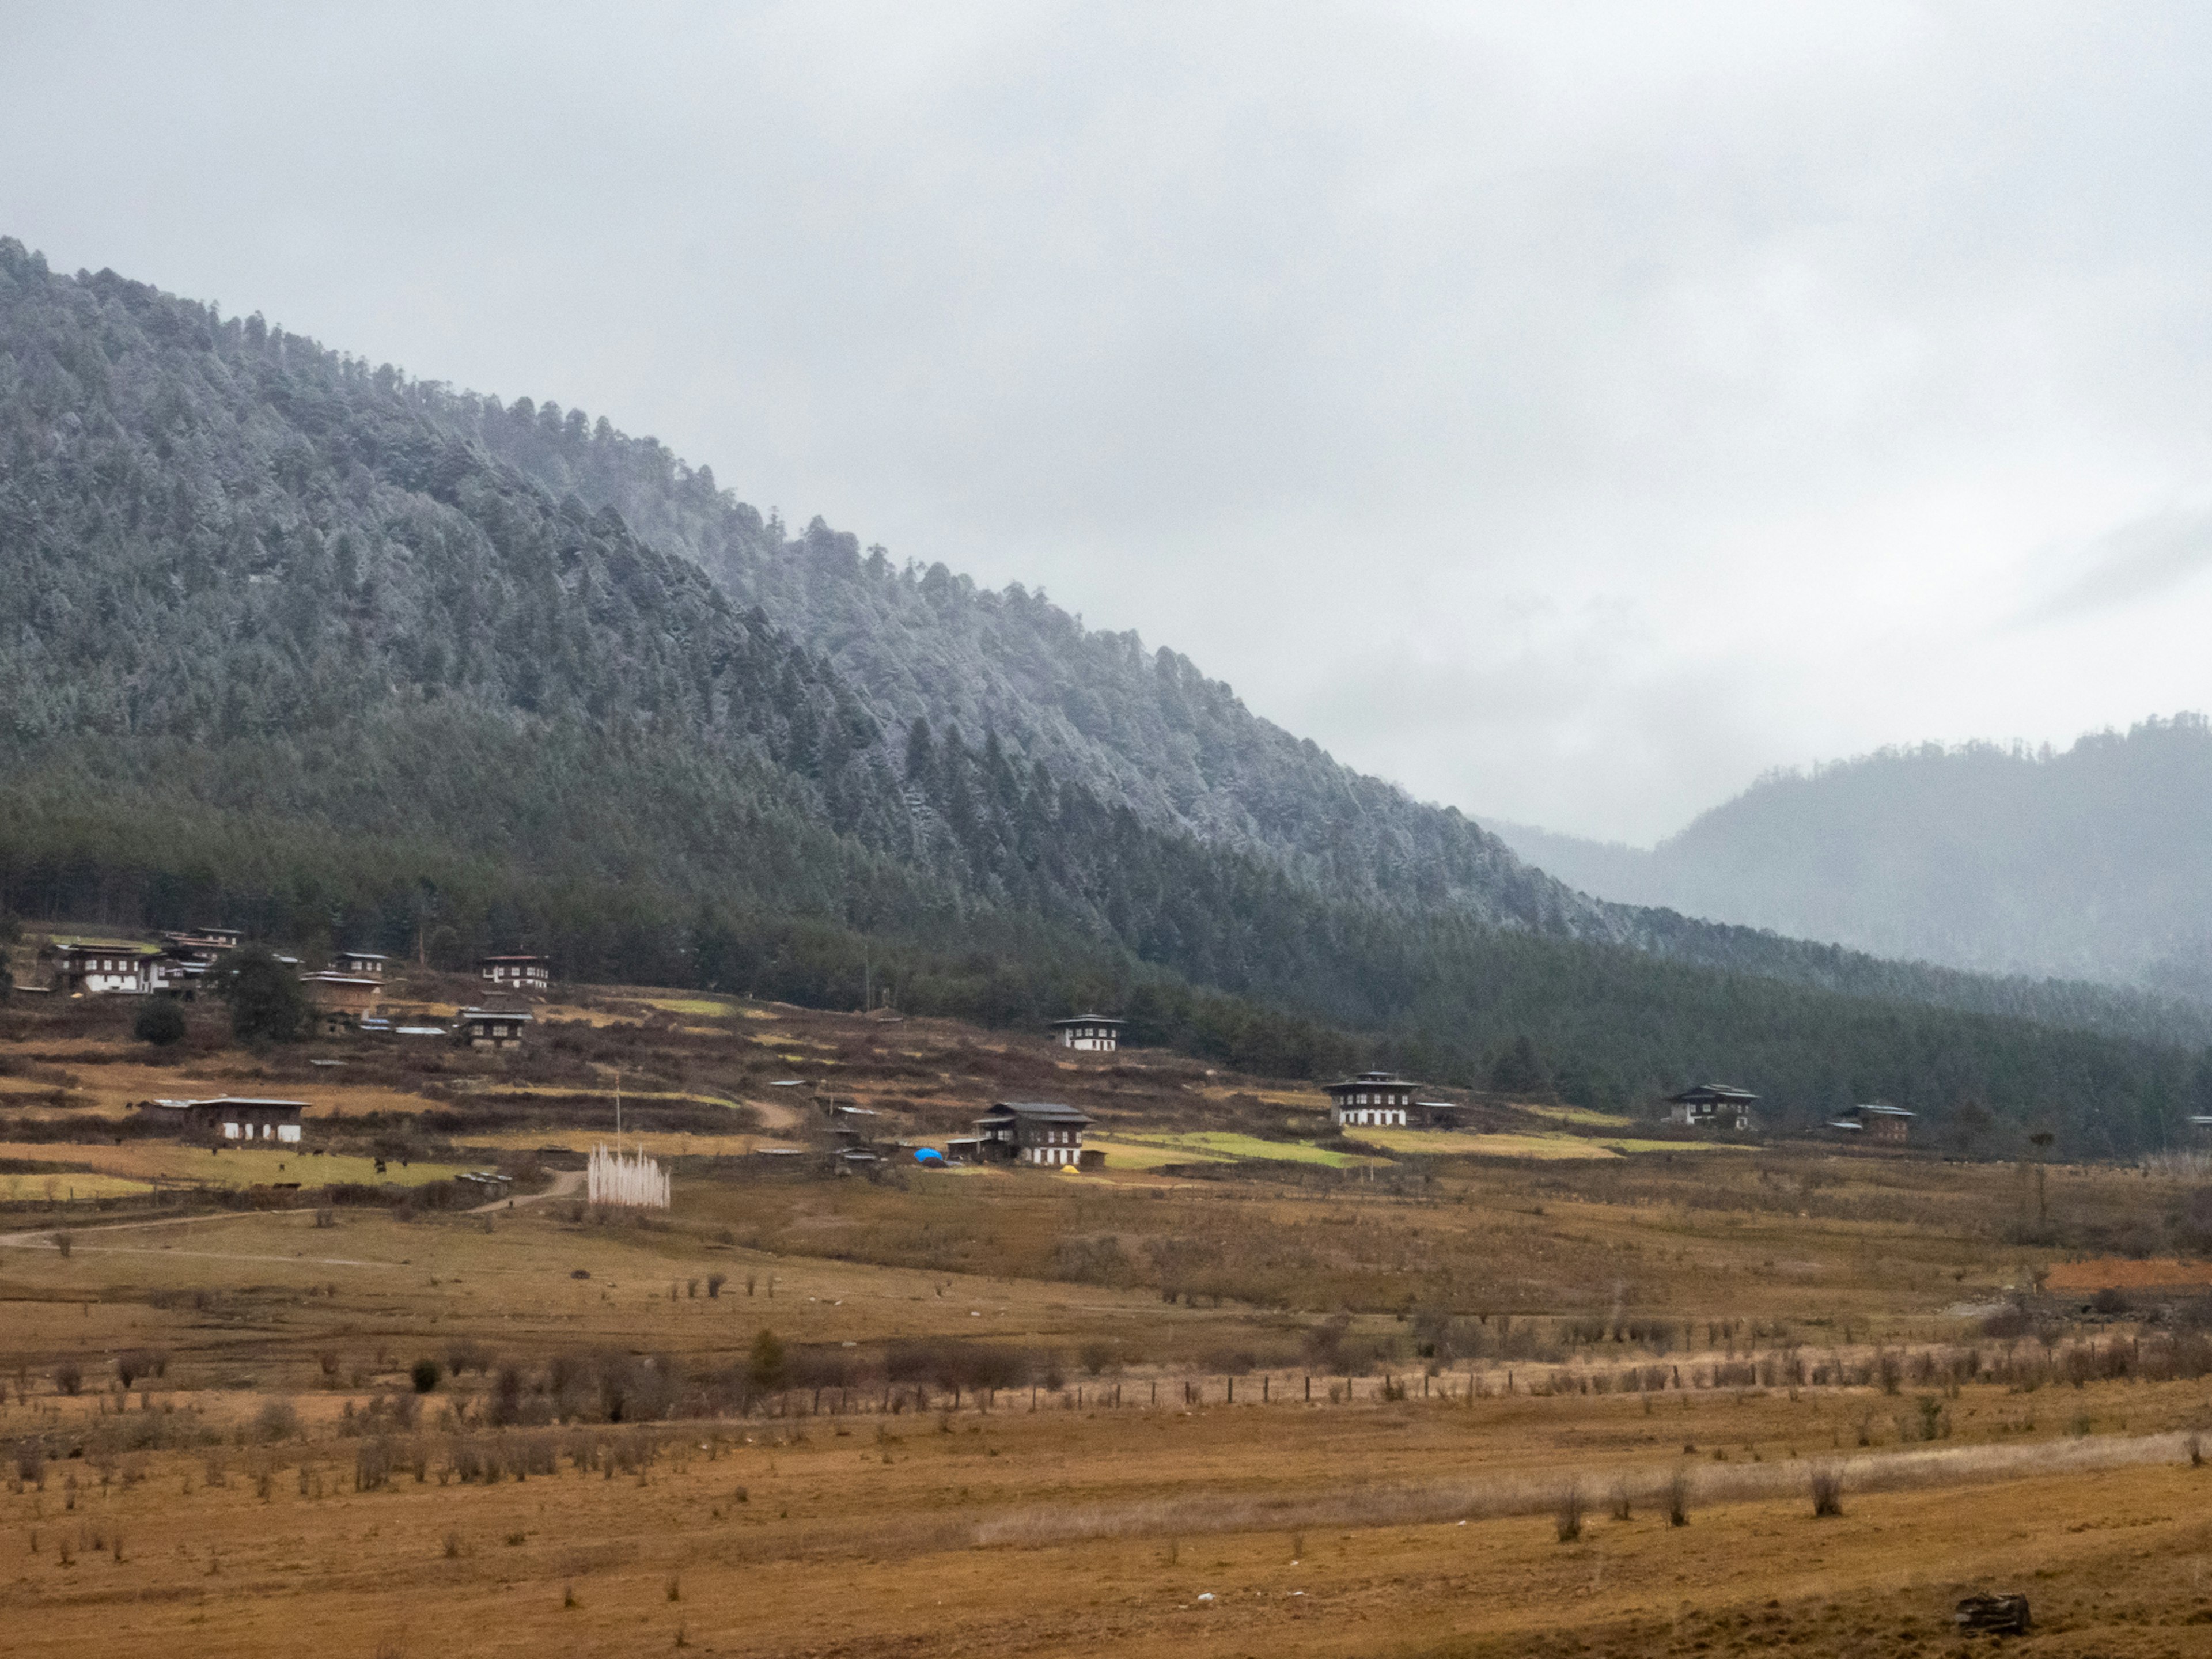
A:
2094, 862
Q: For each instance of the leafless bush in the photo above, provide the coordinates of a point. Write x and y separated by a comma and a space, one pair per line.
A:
452, 1546
276, 1420
1622, 1505
2194, 1445
134, 1362
30, 1463
1827, 1486
69, 1376
373, 1465
1567, 1518
714, 1283
64, 1241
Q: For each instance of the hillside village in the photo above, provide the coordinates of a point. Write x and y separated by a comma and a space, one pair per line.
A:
364, 1015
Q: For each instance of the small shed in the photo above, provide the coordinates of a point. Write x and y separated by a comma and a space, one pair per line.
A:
1378, 1100
490, 1028
1712, 1105
1092, 1033
1033, 1132
1876, 1121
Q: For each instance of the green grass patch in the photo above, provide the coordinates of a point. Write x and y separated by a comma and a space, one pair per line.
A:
1578, 1114
1223, 1147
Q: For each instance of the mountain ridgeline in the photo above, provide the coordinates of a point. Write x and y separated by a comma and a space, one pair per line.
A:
346, 657
2089, 862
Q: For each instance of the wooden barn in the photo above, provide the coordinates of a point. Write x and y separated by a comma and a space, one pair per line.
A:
1890, 1126
340, 1000
240, 1118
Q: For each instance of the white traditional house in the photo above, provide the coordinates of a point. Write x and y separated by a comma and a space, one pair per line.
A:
359, 964
1034, 1132
515, 973
100, 969
1712, 1104
1095, 1033
1375, 1100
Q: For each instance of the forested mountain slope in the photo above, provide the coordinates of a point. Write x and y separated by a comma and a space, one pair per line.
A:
296, 644
1148, 732
2092, 862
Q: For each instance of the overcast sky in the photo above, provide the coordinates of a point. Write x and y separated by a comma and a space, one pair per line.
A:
1569, 412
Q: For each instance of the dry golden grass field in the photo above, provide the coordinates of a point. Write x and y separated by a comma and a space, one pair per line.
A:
1249, 1390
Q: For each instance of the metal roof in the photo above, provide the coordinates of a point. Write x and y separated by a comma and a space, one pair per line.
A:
1090, 1019
1713, 1091
1042, 1111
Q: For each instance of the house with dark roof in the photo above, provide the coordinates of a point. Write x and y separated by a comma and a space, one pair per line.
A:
1377, 1100
490, 1028
1712, 1105
1094, 1033
1035, 1132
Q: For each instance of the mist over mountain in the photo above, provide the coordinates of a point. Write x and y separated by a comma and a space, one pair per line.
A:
346, 657
2092, 862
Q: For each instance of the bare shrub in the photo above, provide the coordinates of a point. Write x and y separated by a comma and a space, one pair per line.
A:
714, 1283
64, 1241
69, 1377
2194, 1445
1567, 1518
373, 1465
1621, 1506
452, 1546
30, 1463
1827, 1487
1677, 1495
